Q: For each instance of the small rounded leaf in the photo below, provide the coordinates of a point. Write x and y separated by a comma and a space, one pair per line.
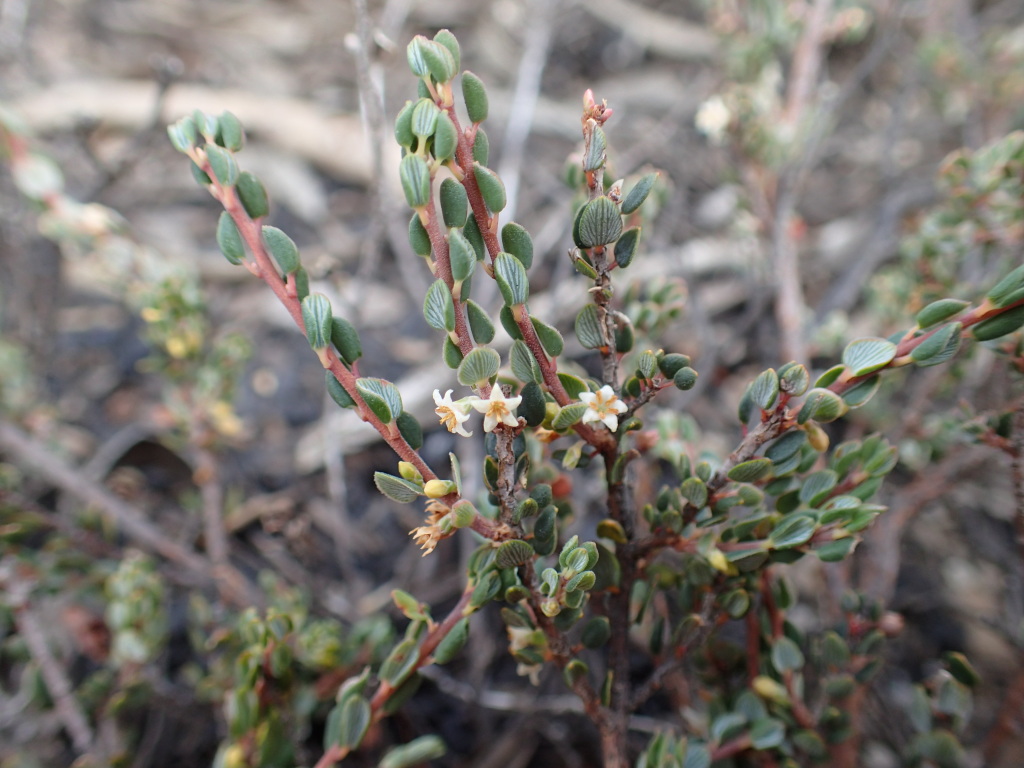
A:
403, 125
1000, 325
599, 223
446, 138
345, 339
513, 553
424, 118
596, 150
479, 366
461, 256
938, 311
230, 134
475, 96
492, 190
512, 281
479, 323
636, 196
942, 345
419, 239
822, 405
438, 307
749, 471
415, 178
452, 644
252, 195
425, 748
685, 379
627, 246
550, 338
316, 316
282, 248
517, 241
864, 356
454, 203
765, 389
222, 165
447, 39
229, 239
588, 327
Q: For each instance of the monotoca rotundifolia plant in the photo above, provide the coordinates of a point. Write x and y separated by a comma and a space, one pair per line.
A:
672, 576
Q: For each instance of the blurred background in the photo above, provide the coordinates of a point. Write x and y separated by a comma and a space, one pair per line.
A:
796, 185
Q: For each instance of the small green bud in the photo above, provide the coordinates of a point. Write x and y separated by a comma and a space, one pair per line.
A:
671, 363
475, 96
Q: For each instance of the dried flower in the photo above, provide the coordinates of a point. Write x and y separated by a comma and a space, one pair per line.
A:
498, 409
427, 536
454, 413
604, 406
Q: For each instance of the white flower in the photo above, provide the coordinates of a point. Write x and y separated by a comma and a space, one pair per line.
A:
498, 409
713, 118
454, 414
604, 406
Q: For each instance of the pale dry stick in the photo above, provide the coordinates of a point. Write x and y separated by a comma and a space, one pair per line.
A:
524, 99
372, 109
31, 455
30, 629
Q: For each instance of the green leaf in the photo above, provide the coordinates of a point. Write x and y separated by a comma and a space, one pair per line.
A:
439, 60
941, 346
446, 138
1009, 290
596, 150
568, 416
794, 530
316, 317
786, 655
767, 733
472, 233
475, 96
396, 488
627, 246
817, 486
447, 39
454, 203
511, 278
452, 643
573, 385
822, 405
230, 239
599, 223
492, 190
451, 353
424, 118
345, 339
1000, 325
862, 391
694, 491
419, 240
282, 248
415, 177
863, 356
479, 366
481, 146
786, 446
749, 471
252, 195
588, 327
400, 663
230, 134
793, 379
938, 311
414, 55
830, 376
222, 165
513, 553
636, 196
523, 363
479, 323
337, 392
550, 338
726, 726
836, 550
403, 125
410, 430
382, 397
410, 607
517, 241
764, 390
182, 134
418, 751
685, 379
461, 255
438, 307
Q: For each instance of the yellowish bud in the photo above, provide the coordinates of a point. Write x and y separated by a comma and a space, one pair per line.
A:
436, 489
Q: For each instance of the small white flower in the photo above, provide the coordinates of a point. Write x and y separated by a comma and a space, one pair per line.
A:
713, 119
498, 409
454, 414
604, 406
